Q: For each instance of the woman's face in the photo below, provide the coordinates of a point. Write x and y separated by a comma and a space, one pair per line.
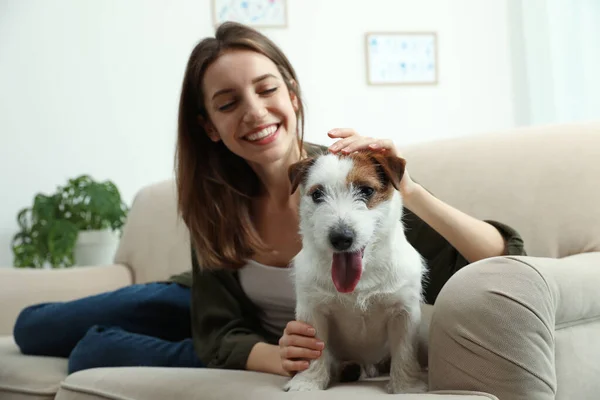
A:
250, 107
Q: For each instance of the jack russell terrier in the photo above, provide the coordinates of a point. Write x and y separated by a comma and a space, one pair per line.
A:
357, 279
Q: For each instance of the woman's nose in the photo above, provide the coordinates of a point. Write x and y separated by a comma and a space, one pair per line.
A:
255, 111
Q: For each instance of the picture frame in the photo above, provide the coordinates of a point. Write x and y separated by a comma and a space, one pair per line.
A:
401, 58
254, 13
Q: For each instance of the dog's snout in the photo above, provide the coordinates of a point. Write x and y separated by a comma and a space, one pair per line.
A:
341, 238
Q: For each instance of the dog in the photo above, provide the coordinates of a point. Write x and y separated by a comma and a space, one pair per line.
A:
358, 281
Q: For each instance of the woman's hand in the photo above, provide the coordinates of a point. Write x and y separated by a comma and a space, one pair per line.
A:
298, 346
350, 141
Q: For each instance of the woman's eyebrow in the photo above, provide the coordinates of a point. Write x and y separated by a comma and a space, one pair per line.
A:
263, 77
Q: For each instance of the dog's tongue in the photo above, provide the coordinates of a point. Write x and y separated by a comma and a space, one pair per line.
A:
346, 270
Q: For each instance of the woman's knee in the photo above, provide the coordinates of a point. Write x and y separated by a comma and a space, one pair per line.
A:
492, 329
27, 329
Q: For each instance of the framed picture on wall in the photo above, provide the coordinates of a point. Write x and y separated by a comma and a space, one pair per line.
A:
255, 13
401, 58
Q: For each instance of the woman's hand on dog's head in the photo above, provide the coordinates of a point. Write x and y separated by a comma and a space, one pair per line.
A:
298, 346
350, 141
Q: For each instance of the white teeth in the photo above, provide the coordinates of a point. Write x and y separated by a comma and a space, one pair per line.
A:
261, 134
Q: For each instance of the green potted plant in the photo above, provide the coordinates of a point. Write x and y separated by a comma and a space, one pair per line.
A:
79, 224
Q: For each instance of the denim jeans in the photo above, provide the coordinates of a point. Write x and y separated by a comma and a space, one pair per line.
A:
138, 325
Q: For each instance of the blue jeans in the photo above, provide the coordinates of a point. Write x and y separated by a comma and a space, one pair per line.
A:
138, 325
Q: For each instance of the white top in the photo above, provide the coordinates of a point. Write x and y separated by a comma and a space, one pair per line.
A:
272, 290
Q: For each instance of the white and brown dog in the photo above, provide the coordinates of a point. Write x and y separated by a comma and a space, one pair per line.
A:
358, 280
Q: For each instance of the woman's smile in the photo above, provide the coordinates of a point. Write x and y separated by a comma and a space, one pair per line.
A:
263, 135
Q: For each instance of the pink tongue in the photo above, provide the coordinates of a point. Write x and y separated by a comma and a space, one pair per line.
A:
346, 270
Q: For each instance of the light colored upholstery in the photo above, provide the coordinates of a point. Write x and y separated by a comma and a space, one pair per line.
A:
22, 287
544, 181
498, 321
28, 377
155, 241
189, 384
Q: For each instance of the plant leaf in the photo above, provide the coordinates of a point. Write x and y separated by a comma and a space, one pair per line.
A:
49, 229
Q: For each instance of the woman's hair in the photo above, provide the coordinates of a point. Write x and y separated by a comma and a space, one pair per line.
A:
215, 186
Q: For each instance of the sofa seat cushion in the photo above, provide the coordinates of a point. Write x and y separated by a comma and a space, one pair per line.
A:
211, 384
28, 377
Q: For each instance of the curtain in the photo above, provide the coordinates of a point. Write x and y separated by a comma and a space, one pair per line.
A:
555, 46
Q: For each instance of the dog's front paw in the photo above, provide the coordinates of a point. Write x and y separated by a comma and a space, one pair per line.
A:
396, 386
304, 383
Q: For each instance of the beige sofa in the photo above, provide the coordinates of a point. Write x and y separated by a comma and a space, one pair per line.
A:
544, 181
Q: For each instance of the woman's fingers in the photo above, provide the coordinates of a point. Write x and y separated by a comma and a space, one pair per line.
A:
350, 141
341, 133
358, 143
300, 341
361, 143
298, 346
346, 136
343, 144
300, 334
386, 144
299, 328
294, 366
294, 352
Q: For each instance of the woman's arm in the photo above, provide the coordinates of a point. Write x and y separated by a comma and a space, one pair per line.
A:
227, 332
473, 238
225, 328
265, 357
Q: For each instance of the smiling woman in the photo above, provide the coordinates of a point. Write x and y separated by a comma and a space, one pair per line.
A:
242, 127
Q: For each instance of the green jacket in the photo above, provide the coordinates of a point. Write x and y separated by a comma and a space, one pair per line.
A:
226, 324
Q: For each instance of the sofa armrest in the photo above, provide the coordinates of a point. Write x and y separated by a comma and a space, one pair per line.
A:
23, 287
519, 327
575, 298
573, 282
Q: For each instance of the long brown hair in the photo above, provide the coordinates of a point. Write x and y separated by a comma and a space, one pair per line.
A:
214, 185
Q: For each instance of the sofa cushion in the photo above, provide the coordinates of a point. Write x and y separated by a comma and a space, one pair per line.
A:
28, 377
212, 384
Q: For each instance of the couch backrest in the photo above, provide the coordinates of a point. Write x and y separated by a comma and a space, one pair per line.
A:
543, 181
155, 242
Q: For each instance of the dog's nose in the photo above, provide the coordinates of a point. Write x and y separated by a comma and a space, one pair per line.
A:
341, 239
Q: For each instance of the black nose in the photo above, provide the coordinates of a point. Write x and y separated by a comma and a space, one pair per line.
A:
341, 238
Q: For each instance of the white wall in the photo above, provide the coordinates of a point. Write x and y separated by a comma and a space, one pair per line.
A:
92, 86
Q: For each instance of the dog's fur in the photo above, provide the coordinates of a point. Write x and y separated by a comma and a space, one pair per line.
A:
376, 321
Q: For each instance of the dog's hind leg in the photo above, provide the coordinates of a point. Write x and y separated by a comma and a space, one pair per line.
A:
368, 371
406, 375
319, 374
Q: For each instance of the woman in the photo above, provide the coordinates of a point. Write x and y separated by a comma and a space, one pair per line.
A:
240, 128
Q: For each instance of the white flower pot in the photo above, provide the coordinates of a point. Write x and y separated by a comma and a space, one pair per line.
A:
96, 247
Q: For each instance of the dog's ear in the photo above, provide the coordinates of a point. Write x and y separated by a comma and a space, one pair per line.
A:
297, 171
390, 167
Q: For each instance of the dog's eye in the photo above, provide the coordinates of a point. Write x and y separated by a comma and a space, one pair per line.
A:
366, 191
317, 195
